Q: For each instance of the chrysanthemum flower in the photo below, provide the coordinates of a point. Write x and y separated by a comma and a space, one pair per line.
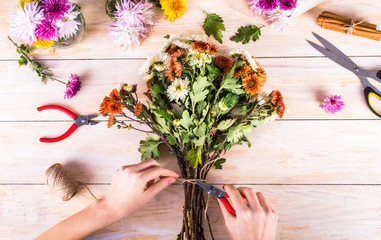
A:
43, 43
138, 109
24, 22
222, 106
115, 108
176, 122
103, 108
68, 25
124, 35
22, 2
253, 84
111, 121
114, 96
332, 104
178, 89
173, 8
224, 63
287, 4
267, 5
72, 87
47, 30
56, 9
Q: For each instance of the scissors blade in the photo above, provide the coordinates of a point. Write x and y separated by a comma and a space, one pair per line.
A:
348, 65
332, 48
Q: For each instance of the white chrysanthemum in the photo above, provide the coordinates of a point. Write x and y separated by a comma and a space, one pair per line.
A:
159, 61
178, 89
68, 26
148, 77
199, 58
182, 44
238, 51
272, 118
24, 22
261, 98
124, 35
183, 40
222, 106
279, 19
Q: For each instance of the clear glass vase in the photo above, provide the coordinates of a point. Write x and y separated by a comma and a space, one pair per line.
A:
71, 41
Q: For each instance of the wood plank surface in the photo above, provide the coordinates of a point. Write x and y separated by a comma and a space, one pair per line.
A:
321, 172
283, 152
306, 212
303, 82
234, 12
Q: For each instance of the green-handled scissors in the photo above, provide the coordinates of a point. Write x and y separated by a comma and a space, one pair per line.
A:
340, 58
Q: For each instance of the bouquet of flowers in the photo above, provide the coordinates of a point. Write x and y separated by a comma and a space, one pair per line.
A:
280, 12
199, 105
132, 20
46, 23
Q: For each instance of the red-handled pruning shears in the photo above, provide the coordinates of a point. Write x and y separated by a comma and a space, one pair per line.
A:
78, 121
218, 193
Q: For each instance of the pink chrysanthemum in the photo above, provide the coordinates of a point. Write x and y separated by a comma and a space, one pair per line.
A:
287, 4
47, 30
267, 5
72, 87
56, 9
332, 104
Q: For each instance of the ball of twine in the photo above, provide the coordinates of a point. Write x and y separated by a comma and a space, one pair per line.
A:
62, 182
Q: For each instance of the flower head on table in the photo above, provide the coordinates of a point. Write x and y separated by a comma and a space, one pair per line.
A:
72, 87
332, 104
173, 8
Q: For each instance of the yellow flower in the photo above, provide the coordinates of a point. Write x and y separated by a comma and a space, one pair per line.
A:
173, 8
222, 106
43, 43
127, 88
176, 122
22, 2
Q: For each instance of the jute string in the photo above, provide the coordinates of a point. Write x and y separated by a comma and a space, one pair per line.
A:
351, 27
63, 183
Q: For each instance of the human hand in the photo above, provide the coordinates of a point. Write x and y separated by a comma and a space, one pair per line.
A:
133, 186
254, 220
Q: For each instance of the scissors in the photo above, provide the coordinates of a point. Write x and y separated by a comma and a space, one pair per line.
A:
78, 121
218, 193
340, 58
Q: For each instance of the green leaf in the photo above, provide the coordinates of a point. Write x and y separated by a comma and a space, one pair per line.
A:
167, 36
194, 157
225, 124
156, 89
171, 140
164, 114
200, 130
230, 101
213, 25
199, 91
23, 61
161, 123
235, 134
150, 147
184, 136
218, 163
245, 34
199, 142
186, 120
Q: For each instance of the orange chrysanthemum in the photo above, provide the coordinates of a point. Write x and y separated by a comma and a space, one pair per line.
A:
138, 109
212, 49
173, 66
110, 121
115, 108
275, 97
114, 96
172, 49
281, 108
223, 62
103, 109
252, 84
200, 46
243, 72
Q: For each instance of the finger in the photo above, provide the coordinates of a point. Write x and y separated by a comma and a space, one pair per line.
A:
155, 172
146, 164
159, 186
262, 200
236, 198
251, 197
225, 213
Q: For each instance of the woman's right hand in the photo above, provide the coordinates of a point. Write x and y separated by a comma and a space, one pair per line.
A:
254, 220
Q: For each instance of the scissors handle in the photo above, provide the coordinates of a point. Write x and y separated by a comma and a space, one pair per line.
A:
62, 137
227, 204
371, 92
59, 108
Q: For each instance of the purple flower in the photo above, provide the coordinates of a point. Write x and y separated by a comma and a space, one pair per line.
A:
267, 5
56, 9
287, 4
47, 30
332, 104
72, 87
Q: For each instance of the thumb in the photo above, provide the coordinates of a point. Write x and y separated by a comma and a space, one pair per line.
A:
159, 186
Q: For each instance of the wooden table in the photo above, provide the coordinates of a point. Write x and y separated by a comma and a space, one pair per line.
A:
321, 173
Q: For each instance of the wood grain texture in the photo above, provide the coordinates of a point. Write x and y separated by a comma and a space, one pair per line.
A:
234, 12
304, 83
282, 152
306, 212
